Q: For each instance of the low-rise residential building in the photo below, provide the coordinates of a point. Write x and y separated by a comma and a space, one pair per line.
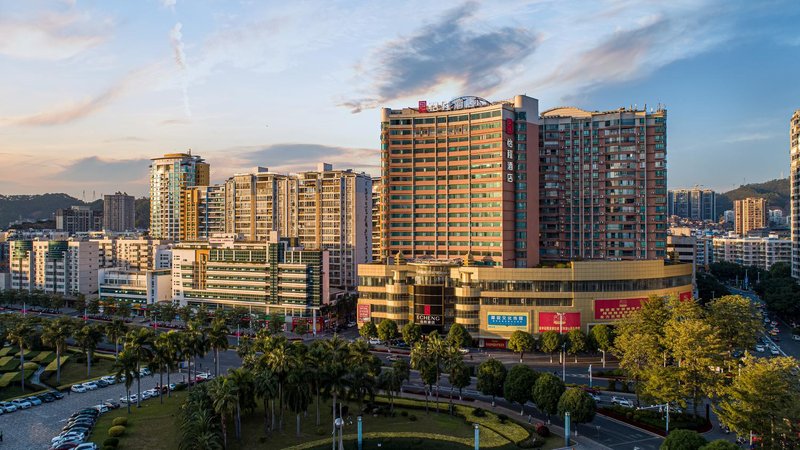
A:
78, 219
268, 278
138, 254
137, 288
57, 267
761, 252
493, 302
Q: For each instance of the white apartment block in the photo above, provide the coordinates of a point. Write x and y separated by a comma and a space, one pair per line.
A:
761, 252
134, 254
137, 288
57, 267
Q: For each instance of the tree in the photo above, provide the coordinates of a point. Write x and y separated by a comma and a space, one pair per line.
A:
360, 383
760, 399
720, 444
218, 339
224, 396
316, 357
20, 335
163, 359
521, 342
387, 331
491, 378
126, 368
549, 342
547, 392
87, 338
576, 342
55, 334
80, 303
281, 361
518, 387
185, 313
298, 393
246, 394
602, 338
139, 343
423, 360
276, 324
334, 370
737, 320
93, 307
412, 333
123, 310
580, 405
266, 388
459, 377
664, 385
116, 330
368, 330
683, 440
458, 336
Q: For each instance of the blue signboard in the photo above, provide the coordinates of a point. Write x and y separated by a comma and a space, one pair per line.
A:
507, 321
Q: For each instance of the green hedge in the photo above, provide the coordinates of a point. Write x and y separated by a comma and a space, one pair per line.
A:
53, 365
42, 356
5, 380
9, 363
6, 350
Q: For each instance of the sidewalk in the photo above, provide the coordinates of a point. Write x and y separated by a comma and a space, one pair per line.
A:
577, 442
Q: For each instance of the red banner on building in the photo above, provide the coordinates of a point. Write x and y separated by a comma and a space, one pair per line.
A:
495, 343
423, 106
364, 313
509, 126
561, 322
685, 296
616, 308
426, 310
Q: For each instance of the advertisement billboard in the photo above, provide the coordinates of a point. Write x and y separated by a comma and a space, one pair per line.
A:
423, 106
364, 313
685, 296
559, 322
502, 321
428, 319
611, 309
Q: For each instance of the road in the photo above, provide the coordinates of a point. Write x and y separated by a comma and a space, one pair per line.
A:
786, 345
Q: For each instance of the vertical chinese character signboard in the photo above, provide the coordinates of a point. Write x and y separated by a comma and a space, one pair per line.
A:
423, 106
364, 314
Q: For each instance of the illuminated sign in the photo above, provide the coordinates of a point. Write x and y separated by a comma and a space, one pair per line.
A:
364, 313
616, 308
423, 106
457, 103
428, 319
560, 322
509, 126
507, 321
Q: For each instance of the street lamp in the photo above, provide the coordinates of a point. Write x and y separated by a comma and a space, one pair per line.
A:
564, 362
477, 436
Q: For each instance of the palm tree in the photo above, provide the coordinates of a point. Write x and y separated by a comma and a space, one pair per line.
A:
55, 334
245, 384
125, 367
87, 338
317, 356
224, 397
335, 369
163, 358
422, 360
439, 349
116, 330
138, 341
21, 335
198, 430
266, 387
298, 393
218, 340
360, 383
174, 341
281, 361
198, 342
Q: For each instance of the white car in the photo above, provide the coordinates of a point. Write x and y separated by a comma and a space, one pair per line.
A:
775, 351
102, 409
146, 395
133, 399
109, 379
759, 348
21, 404
374, 341
621, 401
90, 386
463, 351
87, 446
78, 388
68, 436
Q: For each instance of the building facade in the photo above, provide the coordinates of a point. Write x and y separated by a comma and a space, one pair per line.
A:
603, 184
376, 219
139, 289
750, 214
139, 254
761, 252
56, 267
493, 302
170, 176
794, 179
266, 277
695, 204
78, 219
119, 212
461, 178
202, 212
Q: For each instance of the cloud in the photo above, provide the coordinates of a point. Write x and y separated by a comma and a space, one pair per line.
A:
176, 37
169, 4
450, 50
52, 36
95, 169
175, 122
297, 157
750, 137
126, 139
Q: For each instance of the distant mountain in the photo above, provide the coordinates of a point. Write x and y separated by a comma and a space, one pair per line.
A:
775, 191
43, 207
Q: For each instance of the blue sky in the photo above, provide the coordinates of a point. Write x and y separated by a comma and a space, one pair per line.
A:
92, 89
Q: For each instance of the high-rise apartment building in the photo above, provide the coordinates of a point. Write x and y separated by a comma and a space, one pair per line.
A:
460, 179
761, 252
133, 254
324, 209
603, 184
376, 219
695, 204
794, 142
170, 176
78, 219
202, 212
750, 214
57, 267
119, 212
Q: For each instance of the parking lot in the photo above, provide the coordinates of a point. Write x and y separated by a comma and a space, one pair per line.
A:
33, 428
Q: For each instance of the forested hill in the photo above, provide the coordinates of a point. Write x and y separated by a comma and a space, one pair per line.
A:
44, 206
775, 191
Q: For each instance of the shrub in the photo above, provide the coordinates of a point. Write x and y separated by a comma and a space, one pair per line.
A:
479, 412
180, 386
412, 418
612, 385
625, 387
502, 418
542, 430
111, 442
629, 415
404, 413
321, 431
116, 431
120, 421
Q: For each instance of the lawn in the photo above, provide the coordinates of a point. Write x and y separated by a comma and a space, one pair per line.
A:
73, 371
154, 426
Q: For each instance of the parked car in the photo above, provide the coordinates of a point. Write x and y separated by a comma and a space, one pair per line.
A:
101, 408
759, 348
463, 351
351, 324
392, 358
35, 401
145, 372
111, 404
90, 386
21, 403
109, 379
374, 341
775, 351
8, 407
57, 395
621, 401
101, 383
87, 446
133, 399
46, 397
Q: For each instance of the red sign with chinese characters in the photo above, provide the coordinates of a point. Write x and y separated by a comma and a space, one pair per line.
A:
616, 308
364, 313
685, 296
423, 106
495, 343
562, 322
509, 126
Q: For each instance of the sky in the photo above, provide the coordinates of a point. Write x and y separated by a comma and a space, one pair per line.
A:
91, 90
